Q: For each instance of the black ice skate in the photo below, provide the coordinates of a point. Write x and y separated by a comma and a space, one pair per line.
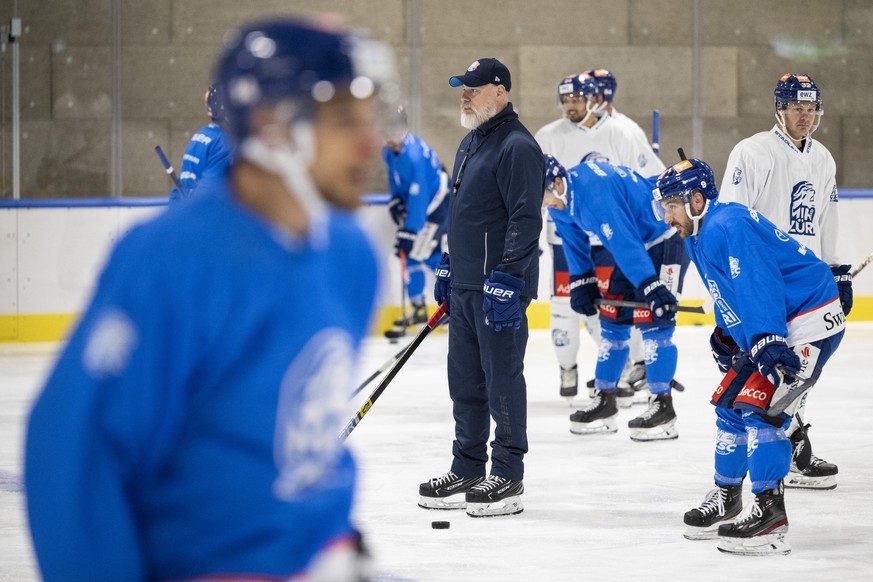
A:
495, 496
569, 382
446, 492
760, 530
720, 506
597, 417
591, 389
417, 317
657, 423
807, 470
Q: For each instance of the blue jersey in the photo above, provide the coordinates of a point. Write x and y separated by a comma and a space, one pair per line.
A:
208, 153
415, 176
614, 203
190, 427
762, 280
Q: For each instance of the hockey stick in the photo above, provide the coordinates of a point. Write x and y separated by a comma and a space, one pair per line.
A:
656, 131
641, 305
168, 167
863, 264
386, 365
398, 332
428, 327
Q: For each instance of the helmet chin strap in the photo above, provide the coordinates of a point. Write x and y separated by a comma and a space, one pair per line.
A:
695, 220
780, 121
291, 163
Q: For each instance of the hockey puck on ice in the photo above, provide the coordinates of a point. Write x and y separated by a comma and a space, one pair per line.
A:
439, 525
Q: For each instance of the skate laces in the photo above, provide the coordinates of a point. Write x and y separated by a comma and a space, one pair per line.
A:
714, 502
595, 402
751, 511
654, 407
492, 482
447, 478
815, 461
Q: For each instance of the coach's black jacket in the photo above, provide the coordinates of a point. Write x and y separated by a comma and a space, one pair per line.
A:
495, 211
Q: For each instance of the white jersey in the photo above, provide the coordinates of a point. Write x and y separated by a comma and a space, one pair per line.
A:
796, 190
610, 140
633, 130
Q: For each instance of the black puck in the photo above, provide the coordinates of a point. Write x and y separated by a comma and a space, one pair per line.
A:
439, 524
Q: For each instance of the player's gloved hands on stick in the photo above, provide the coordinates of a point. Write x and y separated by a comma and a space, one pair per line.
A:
502, 302
442, 288
844, 286
403, 243
398, 210
724, 349
660, 300
583, 292
775, 360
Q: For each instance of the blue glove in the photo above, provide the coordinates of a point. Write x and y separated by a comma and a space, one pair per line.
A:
442, 287
502, 302
660, 300
724, 349
774, 359
844, 286
398, 210
404, 241
583, 292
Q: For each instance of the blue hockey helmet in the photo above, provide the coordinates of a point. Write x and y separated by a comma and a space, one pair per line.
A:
605, 81
796, 89
297, 63
578, 84
685, 178
553, 169
215, 104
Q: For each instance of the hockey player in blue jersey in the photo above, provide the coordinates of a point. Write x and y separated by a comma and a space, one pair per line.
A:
778, 321
419, 207
641, 259
210, 150
190, 429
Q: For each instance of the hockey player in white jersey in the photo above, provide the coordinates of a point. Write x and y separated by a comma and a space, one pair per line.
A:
582, 134
779, 320
789, 177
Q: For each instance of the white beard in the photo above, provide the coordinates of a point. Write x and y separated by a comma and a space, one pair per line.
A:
477, 118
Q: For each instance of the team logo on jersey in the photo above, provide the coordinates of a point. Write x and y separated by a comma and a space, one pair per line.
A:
730, 317
310, 411
802, 209
781, 235
606, 230
726, 442
754, 215
642, 161
735, 266
651, 351
738, 177
109, 345
835, 195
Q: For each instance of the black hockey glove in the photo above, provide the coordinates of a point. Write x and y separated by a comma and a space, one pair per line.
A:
844, 286
583, 293
660, 300
502, 301
398, 210
774, 359
724, 349
442, 288
403, 243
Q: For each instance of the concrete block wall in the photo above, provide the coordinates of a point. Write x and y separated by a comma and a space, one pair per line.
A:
168, 46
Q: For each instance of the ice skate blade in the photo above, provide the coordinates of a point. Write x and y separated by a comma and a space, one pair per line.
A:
508, 506
771, 544
664, 432
451, 503
704, 533
599, 426
800, 481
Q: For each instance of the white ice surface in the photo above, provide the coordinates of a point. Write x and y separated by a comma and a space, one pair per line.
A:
596, 508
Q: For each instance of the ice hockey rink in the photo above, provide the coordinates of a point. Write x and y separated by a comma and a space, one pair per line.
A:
596, 508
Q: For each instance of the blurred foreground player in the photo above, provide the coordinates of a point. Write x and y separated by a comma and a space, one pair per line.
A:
641, 259
190, 428
790, 178
778, 321
419, 207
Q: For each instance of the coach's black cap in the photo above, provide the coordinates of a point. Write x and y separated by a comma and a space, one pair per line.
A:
482, 72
